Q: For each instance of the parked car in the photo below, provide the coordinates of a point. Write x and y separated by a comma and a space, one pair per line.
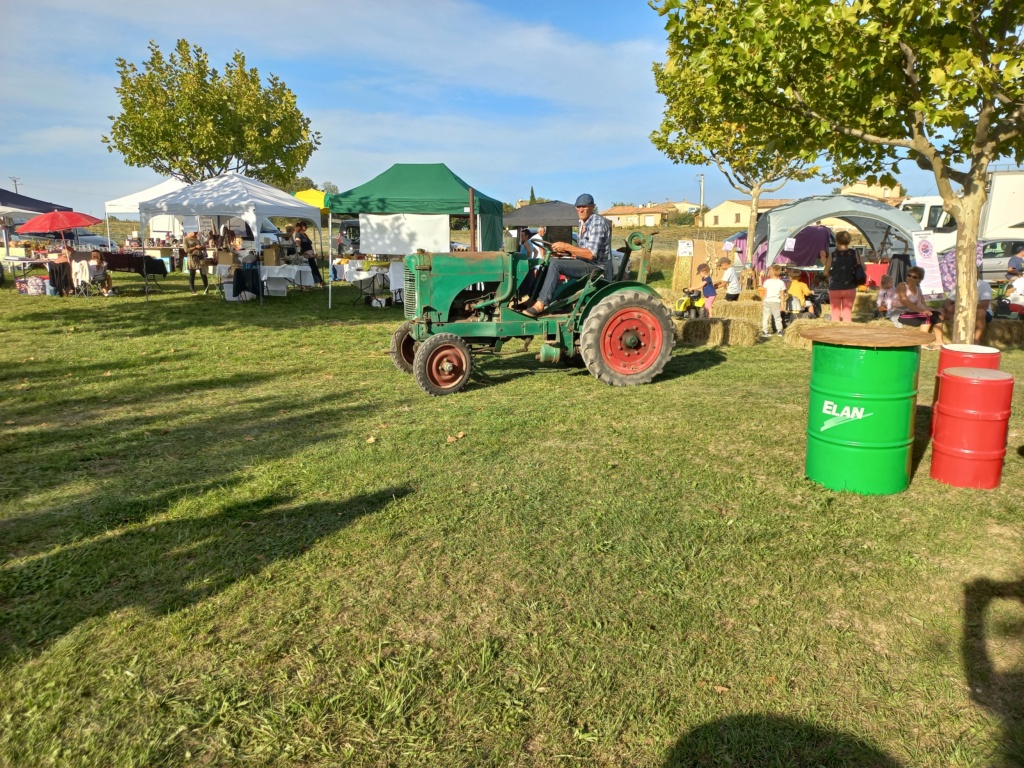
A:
994, 256
348, 237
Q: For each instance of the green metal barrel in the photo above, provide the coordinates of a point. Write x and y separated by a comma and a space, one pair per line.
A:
860, 427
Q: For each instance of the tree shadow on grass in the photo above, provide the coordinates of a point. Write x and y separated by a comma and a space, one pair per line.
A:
177, 310
163, 567
754, 741
996, 685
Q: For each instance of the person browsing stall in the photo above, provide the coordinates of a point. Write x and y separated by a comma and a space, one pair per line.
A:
305, 248
196, 255
592, 253
840, 269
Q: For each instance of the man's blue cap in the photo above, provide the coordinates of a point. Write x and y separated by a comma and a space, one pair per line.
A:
584, 200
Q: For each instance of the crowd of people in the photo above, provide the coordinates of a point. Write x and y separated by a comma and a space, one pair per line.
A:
786, 293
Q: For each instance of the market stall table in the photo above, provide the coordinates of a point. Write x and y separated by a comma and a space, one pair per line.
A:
276, 279
372, 278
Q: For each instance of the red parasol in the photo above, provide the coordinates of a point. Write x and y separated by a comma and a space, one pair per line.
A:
56, 221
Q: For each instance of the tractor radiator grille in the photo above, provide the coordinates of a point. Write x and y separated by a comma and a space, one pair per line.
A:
409, 293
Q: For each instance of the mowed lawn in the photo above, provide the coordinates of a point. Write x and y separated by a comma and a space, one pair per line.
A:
236, 535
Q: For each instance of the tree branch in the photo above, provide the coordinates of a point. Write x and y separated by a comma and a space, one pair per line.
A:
855, 133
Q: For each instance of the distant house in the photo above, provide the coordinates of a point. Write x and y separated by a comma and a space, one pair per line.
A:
736, 213
648, 215
685, 206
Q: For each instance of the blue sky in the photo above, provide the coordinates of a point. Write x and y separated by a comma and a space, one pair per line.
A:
559, 96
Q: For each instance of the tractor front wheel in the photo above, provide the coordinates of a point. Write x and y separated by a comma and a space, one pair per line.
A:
627, 339
403, 347
442, 364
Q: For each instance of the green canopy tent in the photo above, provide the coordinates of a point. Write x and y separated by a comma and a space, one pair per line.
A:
429, 188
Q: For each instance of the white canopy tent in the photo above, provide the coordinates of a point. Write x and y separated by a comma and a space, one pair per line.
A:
880, 223
129, 204
231, 195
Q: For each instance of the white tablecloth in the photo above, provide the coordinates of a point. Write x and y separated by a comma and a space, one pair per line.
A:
294, 275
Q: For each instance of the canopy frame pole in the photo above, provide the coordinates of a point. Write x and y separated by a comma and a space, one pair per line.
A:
472, 222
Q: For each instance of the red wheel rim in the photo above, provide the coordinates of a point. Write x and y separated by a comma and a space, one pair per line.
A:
631, 340
447, 366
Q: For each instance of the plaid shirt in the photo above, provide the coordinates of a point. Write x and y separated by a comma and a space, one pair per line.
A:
596, 237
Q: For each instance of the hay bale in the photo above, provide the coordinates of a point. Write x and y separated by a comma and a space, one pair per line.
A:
748, 295
1001, 333
738, 310
682, 273
864, 303
716, 332
791, 336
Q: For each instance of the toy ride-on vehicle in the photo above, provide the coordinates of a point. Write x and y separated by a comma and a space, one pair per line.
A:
461, 305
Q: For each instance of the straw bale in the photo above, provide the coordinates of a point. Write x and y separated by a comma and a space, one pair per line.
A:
682, 273
1002, 333
716, 332
740, 310
748, 296
791, 336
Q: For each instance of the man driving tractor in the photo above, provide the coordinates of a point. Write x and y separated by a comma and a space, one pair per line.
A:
592, 253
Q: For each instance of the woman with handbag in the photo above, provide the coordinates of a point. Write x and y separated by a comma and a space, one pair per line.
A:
845, 272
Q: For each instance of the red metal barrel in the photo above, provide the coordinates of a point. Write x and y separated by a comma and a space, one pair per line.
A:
970, 433
962, 356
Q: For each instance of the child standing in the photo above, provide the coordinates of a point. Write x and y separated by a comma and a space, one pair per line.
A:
774, 292
730, 280
706, 286
886, 294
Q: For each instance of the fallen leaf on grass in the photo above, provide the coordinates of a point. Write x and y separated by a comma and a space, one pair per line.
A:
249, 438
107, 373
284, 410
453, 438
329, 376
371, 439
10, 422
721, 688
248, 522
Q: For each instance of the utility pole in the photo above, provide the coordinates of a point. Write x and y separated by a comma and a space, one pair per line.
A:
701, 211
15, 179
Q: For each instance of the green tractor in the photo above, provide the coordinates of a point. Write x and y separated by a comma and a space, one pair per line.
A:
459, 305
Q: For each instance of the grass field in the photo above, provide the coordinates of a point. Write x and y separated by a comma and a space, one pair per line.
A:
236, 535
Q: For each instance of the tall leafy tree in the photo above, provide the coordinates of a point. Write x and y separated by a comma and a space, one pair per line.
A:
698, 130
870, 84
184, 119
533, 197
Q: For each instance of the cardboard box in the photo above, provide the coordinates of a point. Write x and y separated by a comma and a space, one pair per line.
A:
225, 258
270, 256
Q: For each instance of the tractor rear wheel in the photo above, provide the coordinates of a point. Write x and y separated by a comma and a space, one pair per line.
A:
627, 339
403, 347
442, 364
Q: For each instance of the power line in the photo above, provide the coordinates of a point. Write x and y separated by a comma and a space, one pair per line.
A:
15, 179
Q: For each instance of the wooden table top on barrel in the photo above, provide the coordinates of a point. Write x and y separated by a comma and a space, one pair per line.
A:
875, 337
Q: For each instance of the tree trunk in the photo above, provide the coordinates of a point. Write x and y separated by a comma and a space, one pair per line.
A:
755, 195
968, 224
